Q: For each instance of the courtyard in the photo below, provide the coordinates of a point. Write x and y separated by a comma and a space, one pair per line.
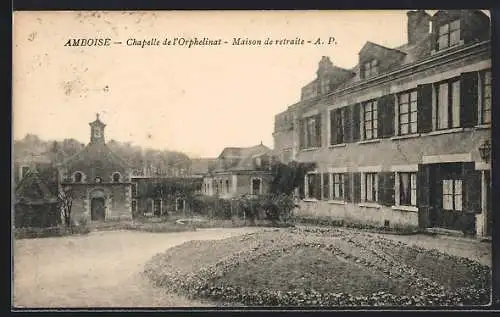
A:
105, 268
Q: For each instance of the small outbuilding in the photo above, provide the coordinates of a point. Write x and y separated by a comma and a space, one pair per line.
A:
35, 204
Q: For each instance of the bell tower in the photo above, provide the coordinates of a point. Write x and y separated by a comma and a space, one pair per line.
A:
97, 130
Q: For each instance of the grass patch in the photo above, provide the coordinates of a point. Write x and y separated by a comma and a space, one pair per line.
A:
310, 268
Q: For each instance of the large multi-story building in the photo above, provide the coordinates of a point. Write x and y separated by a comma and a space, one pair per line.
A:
397, 139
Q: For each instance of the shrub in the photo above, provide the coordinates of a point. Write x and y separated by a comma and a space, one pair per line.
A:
33, 232
279, 208
250, 206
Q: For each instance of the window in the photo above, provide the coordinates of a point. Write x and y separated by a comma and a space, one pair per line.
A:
449, 35
287, 155
313, 186
157, 207
134, 190
78, 177
227, 185
24, 171
311, 132
325, 85
116, 177
371, 186
408, 189
256, 186
407, 109
338, 186
486, 97
369, 68
258, 162
452, 194
134, 205
370, 120
97, 132
448, 105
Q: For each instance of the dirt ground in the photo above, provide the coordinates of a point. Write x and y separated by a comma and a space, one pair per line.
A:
102, 269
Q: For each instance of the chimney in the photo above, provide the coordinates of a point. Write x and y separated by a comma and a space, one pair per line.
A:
324, 65
418, 25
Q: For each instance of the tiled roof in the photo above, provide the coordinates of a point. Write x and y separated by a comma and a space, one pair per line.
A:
201, 165
244, 156
96, 151
410, 54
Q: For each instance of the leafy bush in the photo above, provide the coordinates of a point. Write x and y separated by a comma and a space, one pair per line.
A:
279, 208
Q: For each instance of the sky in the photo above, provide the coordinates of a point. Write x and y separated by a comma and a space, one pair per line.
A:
196, 100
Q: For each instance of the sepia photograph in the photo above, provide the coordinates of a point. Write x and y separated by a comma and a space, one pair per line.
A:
244, 159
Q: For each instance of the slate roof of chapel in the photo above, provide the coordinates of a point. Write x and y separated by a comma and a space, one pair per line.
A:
96, 151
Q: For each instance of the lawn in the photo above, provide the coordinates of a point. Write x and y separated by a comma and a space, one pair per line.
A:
320, 267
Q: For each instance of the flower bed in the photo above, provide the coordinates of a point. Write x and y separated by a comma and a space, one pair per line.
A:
331, 222
283, 268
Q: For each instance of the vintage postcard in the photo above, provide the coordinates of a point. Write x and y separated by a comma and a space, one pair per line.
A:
297, 159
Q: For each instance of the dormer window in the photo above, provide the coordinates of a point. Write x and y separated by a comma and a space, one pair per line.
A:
258, 162
449, 35
77, 177
116, 177
325, 85
369, 68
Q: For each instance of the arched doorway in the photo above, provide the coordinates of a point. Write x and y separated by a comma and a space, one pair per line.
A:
97, 205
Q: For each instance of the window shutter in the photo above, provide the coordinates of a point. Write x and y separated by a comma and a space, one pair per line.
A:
355, 122
423, 195
317, 184
356, 181
301, 133
326, 186
386, 116
347, 124
318, 130
471, 188
347, 187
434, 35
339, 126
468, 99
333, 127
424, 108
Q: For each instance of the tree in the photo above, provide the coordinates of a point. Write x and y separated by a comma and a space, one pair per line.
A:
65, 199
288, 177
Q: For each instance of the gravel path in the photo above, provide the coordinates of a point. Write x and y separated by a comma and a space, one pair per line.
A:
461, 247
102, 269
